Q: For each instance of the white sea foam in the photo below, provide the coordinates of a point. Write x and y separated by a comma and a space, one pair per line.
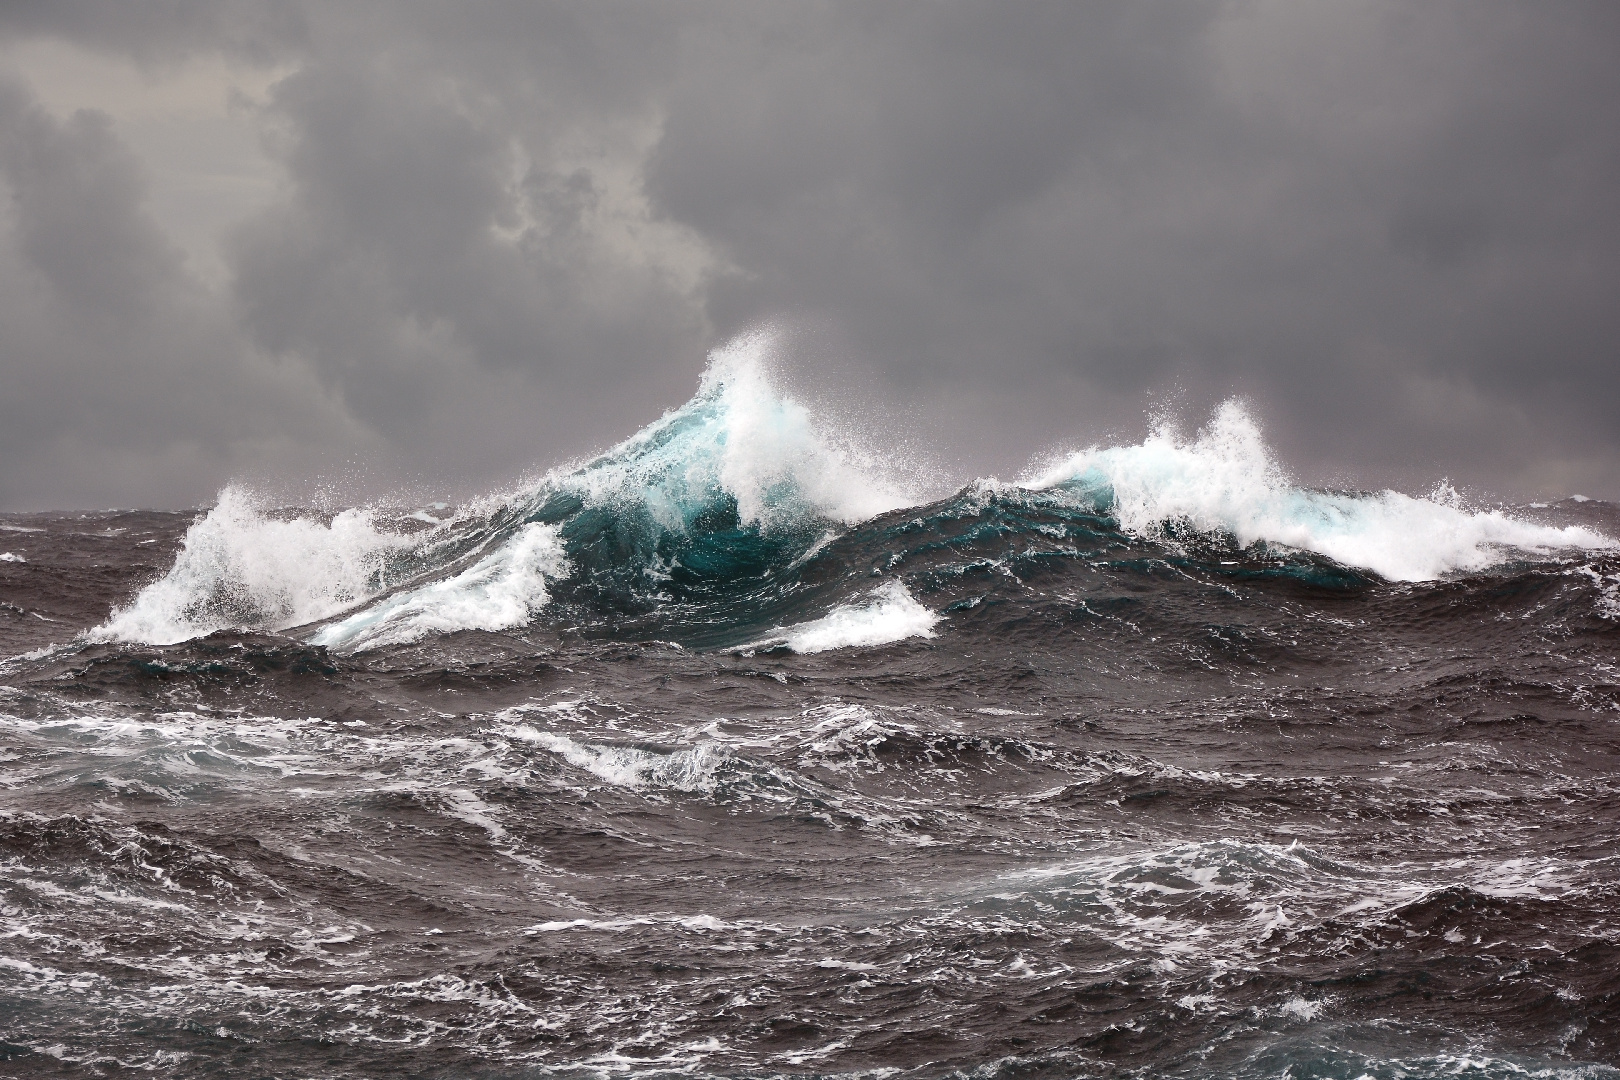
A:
1607, 583
239, 566
696, 769
1226, 480
6, 556
502, 590
1303, 1008
890, 614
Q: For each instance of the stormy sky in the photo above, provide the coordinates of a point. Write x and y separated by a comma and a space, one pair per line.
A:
356, 247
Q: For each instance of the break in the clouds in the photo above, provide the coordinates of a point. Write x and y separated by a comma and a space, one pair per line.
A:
395, 243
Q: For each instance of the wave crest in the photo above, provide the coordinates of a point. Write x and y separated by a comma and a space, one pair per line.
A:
243, 565
737, 482
1225, 480
709, 520
738, 440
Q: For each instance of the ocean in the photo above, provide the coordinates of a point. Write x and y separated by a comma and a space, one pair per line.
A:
728, 754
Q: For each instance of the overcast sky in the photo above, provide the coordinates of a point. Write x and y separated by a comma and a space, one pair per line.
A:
342, 247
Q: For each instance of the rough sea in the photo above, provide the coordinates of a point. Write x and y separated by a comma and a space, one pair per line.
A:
725, 754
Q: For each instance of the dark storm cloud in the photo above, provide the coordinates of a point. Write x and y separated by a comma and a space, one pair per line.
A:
1385, 225
435, 235
508, 232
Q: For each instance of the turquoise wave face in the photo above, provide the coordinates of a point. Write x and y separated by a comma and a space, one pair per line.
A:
721, 582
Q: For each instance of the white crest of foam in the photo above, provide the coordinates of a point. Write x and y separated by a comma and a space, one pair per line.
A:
890, 614
1607, 583
693, 770
1225, 480
502, 590
6, 556
740, 435
241, 567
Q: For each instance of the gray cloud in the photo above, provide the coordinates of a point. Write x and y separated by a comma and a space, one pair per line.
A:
508, 233
162, 31
123, 379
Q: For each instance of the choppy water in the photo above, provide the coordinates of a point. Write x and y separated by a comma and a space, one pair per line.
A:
723, 755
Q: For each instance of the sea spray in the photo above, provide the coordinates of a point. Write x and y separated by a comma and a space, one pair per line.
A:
240, 565
1226, 481
739, 439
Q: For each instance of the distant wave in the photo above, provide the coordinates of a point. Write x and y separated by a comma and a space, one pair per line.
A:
708, 517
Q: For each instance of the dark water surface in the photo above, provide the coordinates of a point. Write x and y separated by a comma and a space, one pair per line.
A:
1147, 806
1128, 814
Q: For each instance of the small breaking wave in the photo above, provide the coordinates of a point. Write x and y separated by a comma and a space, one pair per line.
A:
891, 614
1226, 481
501, 591
242, 565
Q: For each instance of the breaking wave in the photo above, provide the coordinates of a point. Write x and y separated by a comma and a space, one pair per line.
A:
243, 565
1226, 481
738, 521
502, 590
891, 614
733, 483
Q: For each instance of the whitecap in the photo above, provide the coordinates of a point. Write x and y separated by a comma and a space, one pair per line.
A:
501, 591
240, 566
890, 614
741, 436
693, 770
1225, 480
